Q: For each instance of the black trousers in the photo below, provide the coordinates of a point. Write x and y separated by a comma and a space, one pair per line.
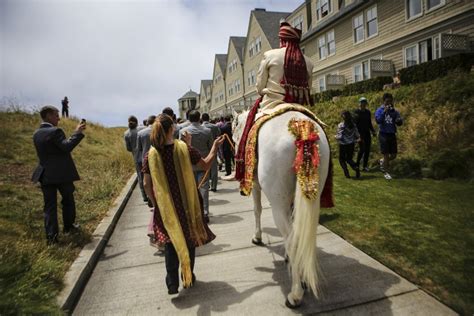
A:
172, 264
345, 156
51, 205
364, 150
228, 156
65, 112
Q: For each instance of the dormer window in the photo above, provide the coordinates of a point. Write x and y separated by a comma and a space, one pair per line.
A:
323, 8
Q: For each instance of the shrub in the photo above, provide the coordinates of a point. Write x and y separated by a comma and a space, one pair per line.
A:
407, 167
436, 68
374, 84
450, 163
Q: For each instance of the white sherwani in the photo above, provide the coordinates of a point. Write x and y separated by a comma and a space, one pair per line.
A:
269, 76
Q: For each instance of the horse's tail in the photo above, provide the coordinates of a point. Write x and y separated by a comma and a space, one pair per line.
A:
301, 241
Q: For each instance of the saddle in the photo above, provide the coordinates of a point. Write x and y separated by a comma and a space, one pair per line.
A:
307, 156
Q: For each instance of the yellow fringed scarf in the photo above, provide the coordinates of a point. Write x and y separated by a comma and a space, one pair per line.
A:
190, 200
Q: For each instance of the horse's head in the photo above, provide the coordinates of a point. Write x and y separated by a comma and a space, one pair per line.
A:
238, 125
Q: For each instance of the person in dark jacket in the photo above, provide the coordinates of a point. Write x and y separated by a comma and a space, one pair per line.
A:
227, 150
347, 136
387, 118
65, 107
56, 171
363, 121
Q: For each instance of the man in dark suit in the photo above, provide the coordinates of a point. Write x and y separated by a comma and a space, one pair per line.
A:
215, 132
56, 171
226, 146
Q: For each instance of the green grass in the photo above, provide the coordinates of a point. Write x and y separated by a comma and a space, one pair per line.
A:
420, 228
31, 273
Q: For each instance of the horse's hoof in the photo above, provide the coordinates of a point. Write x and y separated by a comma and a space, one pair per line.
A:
291, 306
257, 241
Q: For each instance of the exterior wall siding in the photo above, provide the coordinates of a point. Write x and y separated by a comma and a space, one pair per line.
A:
394, 33
299, 12
218, 88
252, 63
232, 77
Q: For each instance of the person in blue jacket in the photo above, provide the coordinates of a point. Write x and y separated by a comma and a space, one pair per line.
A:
388, 119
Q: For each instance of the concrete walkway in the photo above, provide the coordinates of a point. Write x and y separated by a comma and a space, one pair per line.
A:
238, 278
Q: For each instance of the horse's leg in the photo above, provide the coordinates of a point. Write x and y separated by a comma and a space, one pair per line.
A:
295, 297
257, 209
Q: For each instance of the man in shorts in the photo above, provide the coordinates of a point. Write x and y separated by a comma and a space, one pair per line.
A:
388, 119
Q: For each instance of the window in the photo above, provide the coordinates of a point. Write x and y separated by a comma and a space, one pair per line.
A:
411, 56
298, 22
423, 51
358, 24
365, 70
258, 44
237, 85
322, 47
251, 77
252, 49
323, 8
357, 73
371, 16
414, 8
322, 84
331, 43
436, 47
433, 4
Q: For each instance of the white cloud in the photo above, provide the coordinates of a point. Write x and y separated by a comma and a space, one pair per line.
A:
115, 58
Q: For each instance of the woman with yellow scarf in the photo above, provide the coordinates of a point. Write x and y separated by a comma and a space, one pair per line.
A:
170, 184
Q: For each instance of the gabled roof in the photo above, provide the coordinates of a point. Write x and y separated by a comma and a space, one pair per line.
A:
206, 83
222, 61
239, 44
270, 24
189, 94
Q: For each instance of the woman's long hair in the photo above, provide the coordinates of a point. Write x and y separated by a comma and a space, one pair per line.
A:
348, 122
161, 127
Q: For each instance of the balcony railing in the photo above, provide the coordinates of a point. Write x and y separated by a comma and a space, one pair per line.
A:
452, 44
380, 68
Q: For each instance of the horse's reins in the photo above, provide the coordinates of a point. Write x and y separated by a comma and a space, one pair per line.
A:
206, 175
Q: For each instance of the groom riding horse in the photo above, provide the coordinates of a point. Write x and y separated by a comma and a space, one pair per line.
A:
293, 167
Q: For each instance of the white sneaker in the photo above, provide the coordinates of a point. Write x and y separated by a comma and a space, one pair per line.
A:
381, 165
387, 176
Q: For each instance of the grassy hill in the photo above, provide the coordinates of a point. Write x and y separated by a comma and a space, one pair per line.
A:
30, 272
437, 134
420, 227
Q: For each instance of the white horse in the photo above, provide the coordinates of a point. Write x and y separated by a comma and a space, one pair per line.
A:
275, 176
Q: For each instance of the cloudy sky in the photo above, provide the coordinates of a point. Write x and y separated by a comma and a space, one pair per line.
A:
115, 58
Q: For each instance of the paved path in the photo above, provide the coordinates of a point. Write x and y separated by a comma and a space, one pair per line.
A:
238, 278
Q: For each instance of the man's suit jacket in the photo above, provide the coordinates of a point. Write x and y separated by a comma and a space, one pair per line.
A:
227, 129
143, 142
201, 138
54, 152
215, 131
131, 136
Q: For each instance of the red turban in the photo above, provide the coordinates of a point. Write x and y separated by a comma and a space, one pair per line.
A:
295, 80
